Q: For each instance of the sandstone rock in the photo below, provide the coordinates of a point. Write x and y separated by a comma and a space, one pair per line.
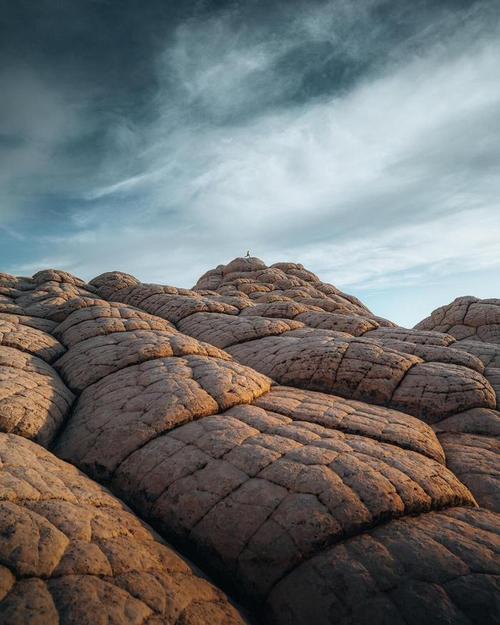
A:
432, 353
96, 357
122, 412
434, 391
312, 507
289, 280
33, 400
354, 417
106, 318
475, 421
255, 492
71, 554
420, 337
362, 369
30, 340
225, 330
279, 309
488, 353
467, 318
352, 324
8, 305
385, 365
113, 281
45, 325
341, 349
492, 374
475, 460
55, 300
56, 275
441, 567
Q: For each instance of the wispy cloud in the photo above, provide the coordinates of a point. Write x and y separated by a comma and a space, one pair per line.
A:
360, 141
13, 234
412, 254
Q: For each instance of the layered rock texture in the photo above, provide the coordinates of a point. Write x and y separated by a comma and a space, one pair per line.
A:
317, 462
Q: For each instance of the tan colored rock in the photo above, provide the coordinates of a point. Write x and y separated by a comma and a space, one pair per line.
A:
279, 309
34, 402
362, 369
30, 340
421, 372
475, 460
8, 305
45, 325
15, 285
467, 318
55, 300
177, 307
56, 275
7, 279
352, 324
118, 415
475, 421
433, 391
492, 374
92, 359
266, 486
353, 417
111, 282
432, 353
106, 318
384, 366
71, 554
225, 330
250, 275
420, 337
322, 362
256, 493
136, 293
488, 353
470, 441
441, 567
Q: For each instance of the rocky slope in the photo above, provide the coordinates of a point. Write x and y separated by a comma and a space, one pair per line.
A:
321, 464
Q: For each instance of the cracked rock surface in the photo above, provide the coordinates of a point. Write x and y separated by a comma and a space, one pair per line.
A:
34, 402
72, 554
320, 463
290, 487
440, 567
467, 318
284, 322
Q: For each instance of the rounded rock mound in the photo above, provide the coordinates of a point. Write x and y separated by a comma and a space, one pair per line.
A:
72, 554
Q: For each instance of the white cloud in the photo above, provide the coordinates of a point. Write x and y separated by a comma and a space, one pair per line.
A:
337, 173
410, 255
388, 183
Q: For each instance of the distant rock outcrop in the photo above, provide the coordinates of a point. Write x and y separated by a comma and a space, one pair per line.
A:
467, 318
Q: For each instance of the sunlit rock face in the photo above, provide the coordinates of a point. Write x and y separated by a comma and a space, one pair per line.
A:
467, 318
73, 553
319, 463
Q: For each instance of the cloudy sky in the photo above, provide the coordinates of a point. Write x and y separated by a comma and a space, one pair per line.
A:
361, 138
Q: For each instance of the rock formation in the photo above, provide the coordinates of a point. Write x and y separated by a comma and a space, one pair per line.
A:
471, 443
321, 464
467, 318
72, 553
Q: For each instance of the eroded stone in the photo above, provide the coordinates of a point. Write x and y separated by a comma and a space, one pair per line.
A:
74, 555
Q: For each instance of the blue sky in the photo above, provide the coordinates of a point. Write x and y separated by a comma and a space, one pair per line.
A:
359, 138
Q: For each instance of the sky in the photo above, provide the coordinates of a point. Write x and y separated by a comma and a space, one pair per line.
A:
359, 138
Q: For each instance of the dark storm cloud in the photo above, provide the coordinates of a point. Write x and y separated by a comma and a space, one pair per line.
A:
350, 136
